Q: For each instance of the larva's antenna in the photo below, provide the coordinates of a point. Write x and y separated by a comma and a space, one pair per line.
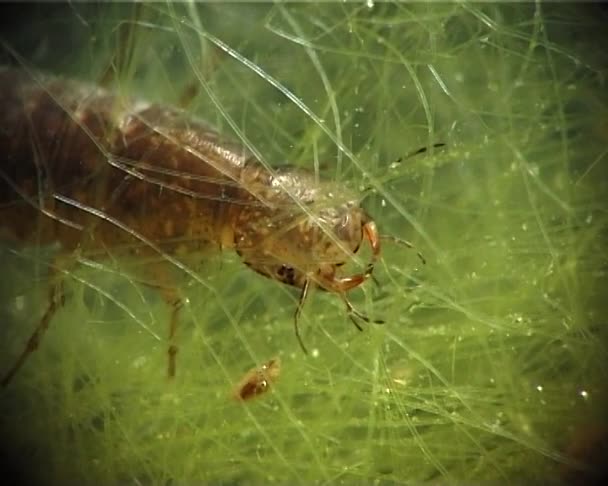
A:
369, 190
405, 243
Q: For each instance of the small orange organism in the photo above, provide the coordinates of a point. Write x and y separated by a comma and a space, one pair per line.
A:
258, 380
86, 169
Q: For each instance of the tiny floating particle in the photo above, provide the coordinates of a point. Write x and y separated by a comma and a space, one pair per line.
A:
258, 380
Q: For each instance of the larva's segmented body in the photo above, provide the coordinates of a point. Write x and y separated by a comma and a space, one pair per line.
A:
83, 167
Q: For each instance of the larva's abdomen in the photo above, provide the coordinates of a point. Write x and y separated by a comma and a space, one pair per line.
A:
81, 164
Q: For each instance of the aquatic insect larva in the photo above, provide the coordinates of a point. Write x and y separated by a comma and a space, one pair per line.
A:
86, 169
258, 380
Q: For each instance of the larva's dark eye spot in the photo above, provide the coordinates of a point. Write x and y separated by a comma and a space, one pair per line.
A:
287, 274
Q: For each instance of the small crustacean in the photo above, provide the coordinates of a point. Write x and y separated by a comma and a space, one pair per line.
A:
258, 380
86, 169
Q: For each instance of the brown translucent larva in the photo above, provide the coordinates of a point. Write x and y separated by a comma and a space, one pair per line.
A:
258, 381
86, 169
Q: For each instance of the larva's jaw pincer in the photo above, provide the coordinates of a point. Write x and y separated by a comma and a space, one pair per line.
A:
344, 284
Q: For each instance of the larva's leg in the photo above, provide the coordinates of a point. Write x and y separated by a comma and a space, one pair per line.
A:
296, 316
210, 61
56, 300
170, 296
161, 280
353, 312
344, 284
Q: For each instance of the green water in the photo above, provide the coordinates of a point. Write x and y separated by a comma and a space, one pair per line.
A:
492, 361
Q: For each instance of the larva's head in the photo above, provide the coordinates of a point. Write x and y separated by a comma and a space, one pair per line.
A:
294, 246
